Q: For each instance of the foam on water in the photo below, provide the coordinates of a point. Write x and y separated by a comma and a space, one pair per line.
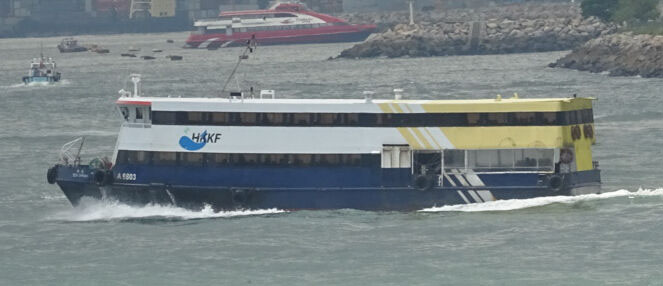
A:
104, 210
63, 82
508, 205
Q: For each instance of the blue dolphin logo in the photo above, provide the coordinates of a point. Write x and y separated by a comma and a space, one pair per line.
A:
188, 144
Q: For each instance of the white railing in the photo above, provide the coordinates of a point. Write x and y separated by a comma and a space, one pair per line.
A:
70, 153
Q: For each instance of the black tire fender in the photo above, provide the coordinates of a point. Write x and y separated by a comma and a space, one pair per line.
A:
556, 182
52, 175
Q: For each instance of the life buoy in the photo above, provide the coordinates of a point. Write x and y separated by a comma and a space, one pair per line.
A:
51, 175
566, 156
423, 182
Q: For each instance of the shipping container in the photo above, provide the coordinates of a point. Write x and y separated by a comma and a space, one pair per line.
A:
5, 8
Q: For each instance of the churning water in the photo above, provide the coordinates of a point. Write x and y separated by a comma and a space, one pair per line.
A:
611, 238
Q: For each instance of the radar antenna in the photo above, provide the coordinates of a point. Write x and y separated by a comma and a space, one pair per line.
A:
251, 46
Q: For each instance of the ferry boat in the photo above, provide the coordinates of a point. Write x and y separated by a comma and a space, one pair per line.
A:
369, 154
284, 23
42, 70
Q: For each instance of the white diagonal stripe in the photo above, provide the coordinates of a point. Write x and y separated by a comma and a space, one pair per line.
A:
463, 196
475, 196
486, 195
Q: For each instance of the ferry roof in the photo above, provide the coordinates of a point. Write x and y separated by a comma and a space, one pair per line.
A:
360, 105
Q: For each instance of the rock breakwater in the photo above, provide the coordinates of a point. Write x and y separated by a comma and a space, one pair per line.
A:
551, 31
623, 54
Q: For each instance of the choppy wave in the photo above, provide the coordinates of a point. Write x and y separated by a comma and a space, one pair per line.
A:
33, 85
102, 210
508, 205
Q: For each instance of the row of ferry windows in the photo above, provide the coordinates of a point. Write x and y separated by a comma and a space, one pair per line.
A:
372, 119
226, 159
500, 159
268, 28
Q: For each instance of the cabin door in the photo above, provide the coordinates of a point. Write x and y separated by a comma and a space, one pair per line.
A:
396, 165
229, 30
428, 162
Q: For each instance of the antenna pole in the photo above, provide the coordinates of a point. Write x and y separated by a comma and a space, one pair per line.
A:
411, 12
250, 47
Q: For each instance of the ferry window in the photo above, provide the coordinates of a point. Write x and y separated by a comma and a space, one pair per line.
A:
353, 159
248, 118
497, 118
505, 159
303, 159
243, 30
122, 157
328, 159
191, 159
548, 118
270, 159
473, 119
525, 117
250, 159
534, 159
138, 157
193, 117
353, 119
478, 159
273, 118
326, 119
573, 117
139, 113
588, 116
454, 159
165, 158
125, 112
302, 119
164, 117
219, 118
217, 159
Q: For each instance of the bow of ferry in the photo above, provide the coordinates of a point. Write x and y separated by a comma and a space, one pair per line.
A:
369, 154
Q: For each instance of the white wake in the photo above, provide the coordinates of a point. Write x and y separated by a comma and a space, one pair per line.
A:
95, 210
508, 205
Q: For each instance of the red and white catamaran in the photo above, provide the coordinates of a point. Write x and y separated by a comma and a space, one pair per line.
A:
284, 23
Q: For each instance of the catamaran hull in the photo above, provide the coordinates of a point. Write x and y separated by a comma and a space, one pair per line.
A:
213, 42
79, 182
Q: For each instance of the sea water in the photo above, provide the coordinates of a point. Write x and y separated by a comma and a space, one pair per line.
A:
610, 238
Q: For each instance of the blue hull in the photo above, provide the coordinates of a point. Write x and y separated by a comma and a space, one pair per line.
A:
309, 188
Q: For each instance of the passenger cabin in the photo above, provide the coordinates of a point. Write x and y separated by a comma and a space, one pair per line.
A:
368, 142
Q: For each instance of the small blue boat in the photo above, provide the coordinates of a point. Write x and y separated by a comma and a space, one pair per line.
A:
42, 70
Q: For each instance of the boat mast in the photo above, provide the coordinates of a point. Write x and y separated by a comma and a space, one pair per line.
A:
250, 47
